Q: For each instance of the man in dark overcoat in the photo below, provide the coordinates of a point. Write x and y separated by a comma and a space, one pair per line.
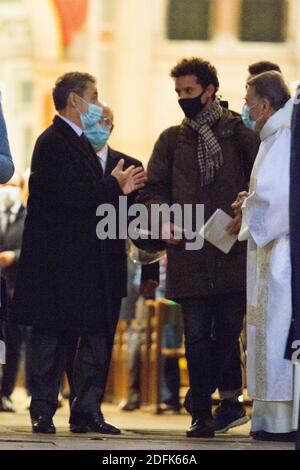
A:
70, 283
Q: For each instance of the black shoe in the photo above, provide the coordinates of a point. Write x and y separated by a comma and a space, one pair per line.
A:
82, 424
201, 428
129, 405
43, 425
229, 415
6, 405
275, 437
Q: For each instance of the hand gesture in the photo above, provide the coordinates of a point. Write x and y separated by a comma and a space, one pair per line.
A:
130, 180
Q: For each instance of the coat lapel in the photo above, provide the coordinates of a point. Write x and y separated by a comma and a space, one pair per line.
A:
111, 162
83, 149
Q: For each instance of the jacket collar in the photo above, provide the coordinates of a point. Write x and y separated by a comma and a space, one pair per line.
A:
282, 118
85, 149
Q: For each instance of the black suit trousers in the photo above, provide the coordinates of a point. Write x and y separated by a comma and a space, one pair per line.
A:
85, 359
212, 326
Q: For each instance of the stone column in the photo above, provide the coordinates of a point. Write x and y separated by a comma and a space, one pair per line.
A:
293, 37
225, 15
45, 25
131, 74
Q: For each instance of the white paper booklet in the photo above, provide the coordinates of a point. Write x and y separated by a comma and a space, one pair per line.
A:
214, 231
2, 352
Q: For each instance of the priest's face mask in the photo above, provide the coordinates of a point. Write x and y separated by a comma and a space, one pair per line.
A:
256, 108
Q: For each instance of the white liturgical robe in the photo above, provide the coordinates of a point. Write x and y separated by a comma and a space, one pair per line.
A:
270, 377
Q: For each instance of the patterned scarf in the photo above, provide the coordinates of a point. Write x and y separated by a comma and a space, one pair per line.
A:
209, 152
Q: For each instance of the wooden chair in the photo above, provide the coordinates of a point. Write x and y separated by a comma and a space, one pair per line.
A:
145, 386
117, 381
159, 312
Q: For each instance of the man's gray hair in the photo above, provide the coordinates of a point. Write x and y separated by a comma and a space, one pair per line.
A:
271, 86
70, 82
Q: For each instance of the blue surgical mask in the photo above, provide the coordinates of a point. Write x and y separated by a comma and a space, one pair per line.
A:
98, 136
92, 116
246, 117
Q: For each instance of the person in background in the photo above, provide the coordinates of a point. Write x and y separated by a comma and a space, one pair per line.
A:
12, 218
133, 312
149, 275
172, 338
6, 163
254, 70
262, 66
6, 172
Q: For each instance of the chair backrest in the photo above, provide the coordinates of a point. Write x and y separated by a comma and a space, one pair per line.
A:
160, 313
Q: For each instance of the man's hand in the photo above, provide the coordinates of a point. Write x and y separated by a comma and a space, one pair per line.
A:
237, 205
147, 288
7, 259
235, 225
169, 232
131, 179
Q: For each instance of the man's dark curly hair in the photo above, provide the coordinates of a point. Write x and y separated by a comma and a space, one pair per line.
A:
205, 72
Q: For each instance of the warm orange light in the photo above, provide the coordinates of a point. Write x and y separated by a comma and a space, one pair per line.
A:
72, 15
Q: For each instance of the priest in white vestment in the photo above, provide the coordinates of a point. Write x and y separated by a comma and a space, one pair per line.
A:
270, 377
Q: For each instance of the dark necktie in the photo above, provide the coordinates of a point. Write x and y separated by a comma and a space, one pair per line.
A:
8, 214
4, 225
91, 152
85, 142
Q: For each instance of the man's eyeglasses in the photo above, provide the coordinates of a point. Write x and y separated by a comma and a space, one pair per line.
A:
106, 122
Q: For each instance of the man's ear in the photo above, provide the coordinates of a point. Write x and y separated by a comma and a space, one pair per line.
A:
72, 99
266, 106
210, 91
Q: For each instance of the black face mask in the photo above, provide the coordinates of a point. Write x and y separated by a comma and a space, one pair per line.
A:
192, 106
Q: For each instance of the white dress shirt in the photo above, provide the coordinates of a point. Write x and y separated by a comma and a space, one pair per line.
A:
75, 128
8, 217
102, 155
